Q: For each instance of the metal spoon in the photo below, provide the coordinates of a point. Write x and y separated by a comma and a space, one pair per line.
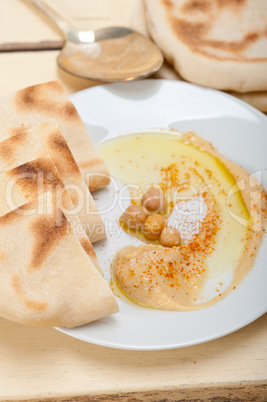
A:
110, 54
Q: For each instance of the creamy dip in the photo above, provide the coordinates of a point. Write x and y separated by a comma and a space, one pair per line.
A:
216, 258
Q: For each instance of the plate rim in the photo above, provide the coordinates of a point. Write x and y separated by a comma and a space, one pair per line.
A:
175, 82
160, 347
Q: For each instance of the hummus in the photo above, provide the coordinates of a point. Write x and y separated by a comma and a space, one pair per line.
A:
212, 262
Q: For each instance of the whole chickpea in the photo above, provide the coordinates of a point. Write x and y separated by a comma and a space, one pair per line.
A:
154, 200
135, 216
153, 226
170, 237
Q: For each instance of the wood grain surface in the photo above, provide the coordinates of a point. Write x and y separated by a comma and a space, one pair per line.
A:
21, 22
45, 365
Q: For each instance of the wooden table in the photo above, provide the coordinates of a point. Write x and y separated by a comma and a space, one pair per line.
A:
43, 364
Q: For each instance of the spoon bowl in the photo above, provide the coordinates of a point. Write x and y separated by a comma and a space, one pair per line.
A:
106, 55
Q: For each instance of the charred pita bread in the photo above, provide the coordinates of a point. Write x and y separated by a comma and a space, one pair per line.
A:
215, 43
47, 138
35, 105
256, 99
26, 182
47, 279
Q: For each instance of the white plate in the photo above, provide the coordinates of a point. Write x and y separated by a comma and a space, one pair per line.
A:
239, 132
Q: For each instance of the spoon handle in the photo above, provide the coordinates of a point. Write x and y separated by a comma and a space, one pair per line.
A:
64, 25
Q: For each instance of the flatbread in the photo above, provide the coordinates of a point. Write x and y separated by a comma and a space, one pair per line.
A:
26, 182
47, 138
214, 43
36, 104
255, 99
46, 278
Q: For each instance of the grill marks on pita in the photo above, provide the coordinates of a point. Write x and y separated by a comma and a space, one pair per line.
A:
8, 148
232, 4
47, 235
36, 104
205, 6
48, 280
35, 178
195, 31
30, 99
29, 175
49, 271
62, 154
47, 139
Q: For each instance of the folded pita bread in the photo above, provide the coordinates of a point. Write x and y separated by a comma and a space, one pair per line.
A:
47, 139
46, 278
26, 182
36, 104
221, 44
255, 99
